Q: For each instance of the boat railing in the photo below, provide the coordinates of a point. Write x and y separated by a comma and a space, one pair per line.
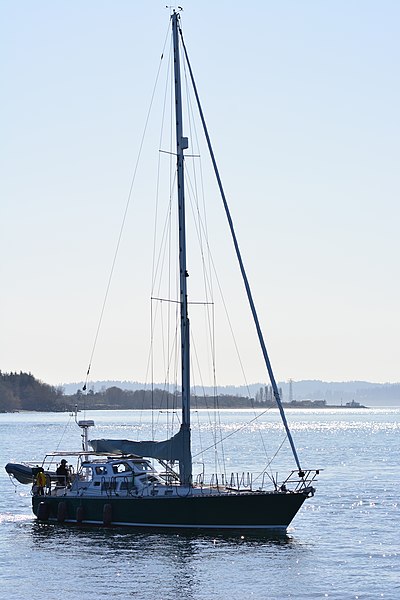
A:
108, 485
54, 484
235, 482
300, 480
296, 481
241, 481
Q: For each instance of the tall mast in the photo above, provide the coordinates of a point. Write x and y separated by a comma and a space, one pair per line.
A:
185, 466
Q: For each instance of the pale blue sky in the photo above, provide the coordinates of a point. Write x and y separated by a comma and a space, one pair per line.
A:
302, 100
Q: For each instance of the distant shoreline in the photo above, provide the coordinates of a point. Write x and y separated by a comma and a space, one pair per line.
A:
295, 405
23, 392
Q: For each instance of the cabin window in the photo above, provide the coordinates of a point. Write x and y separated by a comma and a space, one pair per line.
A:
143, 466
86, 474
101, 470
121, 468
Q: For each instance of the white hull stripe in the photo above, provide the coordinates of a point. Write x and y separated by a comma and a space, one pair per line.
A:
176, 525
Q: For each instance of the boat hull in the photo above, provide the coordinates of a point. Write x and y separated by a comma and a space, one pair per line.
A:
251, 511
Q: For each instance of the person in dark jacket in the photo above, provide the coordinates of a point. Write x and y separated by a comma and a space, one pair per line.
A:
63, 472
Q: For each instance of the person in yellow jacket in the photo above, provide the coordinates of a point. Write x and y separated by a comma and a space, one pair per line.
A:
40, 482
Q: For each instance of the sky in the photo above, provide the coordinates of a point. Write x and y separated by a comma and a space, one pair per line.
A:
301, 99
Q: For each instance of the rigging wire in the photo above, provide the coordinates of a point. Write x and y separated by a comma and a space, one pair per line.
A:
200, 226
159, 259
62, 436
271, 460
241, 266
208, 283
202, 234
210, 257
237, 431
124, 218
154, 265
203, 228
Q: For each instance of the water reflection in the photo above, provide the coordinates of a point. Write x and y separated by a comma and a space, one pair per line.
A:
113, 538
178, 560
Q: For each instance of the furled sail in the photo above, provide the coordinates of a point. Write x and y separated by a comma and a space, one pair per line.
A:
171, 449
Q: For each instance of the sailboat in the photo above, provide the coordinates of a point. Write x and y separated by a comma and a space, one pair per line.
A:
115, 482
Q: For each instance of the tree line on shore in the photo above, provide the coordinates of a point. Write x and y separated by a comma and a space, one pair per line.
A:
22, 391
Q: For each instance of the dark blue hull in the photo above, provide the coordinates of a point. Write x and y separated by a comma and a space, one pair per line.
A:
256, 511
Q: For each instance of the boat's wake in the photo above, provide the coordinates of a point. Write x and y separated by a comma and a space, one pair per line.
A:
13, 518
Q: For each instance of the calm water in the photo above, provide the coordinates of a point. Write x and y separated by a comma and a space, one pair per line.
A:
343, 544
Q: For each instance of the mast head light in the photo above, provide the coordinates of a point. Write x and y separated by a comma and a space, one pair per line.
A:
184, 143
